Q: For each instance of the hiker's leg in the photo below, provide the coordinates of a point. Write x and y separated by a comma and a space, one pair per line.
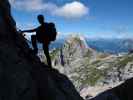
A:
34, 43
46, 52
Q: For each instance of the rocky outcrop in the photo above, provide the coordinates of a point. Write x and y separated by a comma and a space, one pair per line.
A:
121, 92
74, 60
22, 75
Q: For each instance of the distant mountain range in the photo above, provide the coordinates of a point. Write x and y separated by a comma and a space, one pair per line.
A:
103, 45
110, 45
100, 44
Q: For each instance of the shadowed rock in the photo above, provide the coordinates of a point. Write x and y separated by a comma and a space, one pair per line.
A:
22, 75
121, 92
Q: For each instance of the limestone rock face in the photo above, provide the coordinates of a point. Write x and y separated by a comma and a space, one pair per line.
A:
22, 75
75, 60
92, 72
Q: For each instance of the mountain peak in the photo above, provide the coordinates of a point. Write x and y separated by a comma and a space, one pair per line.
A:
77, 39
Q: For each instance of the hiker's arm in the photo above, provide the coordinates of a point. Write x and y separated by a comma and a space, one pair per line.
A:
29, 31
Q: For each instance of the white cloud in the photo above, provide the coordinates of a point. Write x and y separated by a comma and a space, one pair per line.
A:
30, 5
74, 9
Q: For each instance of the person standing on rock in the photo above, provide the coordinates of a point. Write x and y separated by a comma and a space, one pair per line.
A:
45, 33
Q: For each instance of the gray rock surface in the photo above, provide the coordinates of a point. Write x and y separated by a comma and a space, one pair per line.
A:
89, 69
74, 59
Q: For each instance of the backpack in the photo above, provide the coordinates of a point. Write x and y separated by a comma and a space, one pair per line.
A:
51, 31
46, 32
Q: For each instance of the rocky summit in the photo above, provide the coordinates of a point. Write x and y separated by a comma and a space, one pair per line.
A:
73, 60
22, 75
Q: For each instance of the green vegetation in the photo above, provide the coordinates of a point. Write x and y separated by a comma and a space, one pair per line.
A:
96, 62
93, 76
124, 61
89, 75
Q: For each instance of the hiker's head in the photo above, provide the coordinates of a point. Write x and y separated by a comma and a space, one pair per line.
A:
40, 19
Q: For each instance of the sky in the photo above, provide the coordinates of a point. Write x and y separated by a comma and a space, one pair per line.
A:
91, 18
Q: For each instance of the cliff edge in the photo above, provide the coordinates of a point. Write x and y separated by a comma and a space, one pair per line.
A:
22, 75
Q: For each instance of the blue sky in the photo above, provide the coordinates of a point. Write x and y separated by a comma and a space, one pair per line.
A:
93, 18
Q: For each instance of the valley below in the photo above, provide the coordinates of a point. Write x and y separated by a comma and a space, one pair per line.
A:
90, 70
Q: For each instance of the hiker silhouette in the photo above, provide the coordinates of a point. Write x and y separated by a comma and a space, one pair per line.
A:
45, 33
